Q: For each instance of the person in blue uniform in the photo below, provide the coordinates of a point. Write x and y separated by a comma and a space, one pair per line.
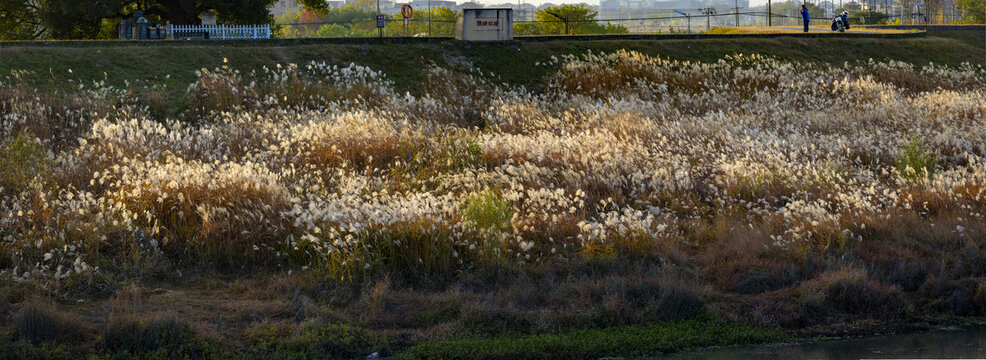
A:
804, 16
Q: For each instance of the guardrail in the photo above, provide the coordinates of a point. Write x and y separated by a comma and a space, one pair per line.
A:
219, 32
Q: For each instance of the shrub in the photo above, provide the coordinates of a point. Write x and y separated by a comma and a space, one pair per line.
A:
22, 158
11, 349
337, 341
42, 323
407, 250
853, 291
221, 90
916, 162
679, 301
163, 337
487, 211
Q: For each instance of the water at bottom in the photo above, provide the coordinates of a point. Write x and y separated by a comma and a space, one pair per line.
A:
968, 343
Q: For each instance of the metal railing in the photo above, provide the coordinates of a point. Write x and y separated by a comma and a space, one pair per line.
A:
219, 32
656, 22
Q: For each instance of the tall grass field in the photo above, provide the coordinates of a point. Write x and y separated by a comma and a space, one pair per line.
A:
622, 204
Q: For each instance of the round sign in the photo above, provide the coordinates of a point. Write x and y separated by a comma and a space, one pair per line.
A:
407, 11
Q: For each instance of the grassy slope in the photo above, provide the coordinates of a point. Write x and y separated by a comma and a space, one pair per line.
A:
403, 62
209, 303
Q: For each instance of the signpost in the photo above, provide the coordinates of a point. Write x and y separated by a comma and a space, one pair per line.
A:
486, 24
381, 21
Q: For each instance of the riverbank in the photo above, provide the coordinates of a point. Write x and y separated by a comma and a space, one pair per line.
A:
584, 205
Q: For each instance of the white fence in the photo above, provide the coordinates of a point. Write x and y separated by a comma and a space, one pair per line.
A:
219, 32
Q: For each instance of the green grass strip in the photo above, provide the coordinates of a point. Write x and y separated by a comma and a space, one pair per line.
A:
643, 340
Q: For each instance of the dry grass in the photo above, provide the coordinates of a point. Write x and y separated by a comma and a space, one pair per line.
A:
631, 189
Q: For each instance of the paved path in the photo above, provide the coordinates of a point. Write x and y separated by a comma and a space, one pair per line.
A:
826, 30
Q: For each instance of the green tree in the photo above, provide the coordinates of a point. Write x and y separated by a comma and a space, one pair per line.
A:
973, 11
867, 17
18, 20
352, 20
442, 23
581, 20
73, 19
793, 10
300, 24
321, 6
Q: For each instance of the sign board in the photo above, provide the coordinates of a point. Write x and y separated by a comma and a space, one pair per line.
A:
485, 24
488, 24
381, 21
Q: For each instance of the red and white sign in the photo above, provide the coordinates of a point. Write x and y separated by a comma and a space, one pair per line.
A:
488, 24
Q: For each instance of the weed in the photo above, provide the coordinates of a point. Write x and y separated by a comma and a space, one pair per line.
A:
22, 159
915, 161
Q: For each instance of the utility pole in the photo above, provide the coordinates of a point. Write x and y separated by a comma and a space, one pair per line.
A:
736, 12
379, 29
430, 12
768, 12
708, 15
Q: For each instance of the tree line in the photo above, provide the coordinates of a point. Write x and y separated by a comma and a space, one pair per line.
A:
98, 19
94, 19
359, 20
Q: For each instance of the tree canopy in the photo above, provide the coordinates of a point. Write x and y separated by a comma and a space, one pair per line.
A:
581, 20
73, 19
973, 11
442, 23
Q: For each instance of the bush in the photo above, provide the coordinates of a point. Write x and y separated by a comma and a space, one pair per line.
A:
162, 337
679, 301
21, 160
487, 211
852, 291
335, 341
915, 162
42, 323
11, 349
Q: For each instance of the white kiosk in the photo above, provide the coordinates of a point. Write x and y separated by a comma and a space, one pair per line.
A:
485, 24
